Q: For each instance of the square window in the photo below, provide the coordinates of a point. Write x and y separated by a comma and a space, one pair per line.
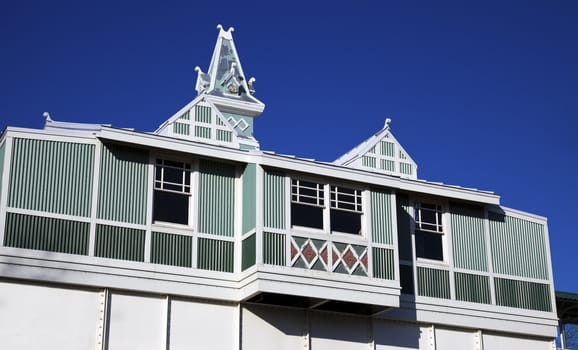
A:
307, 204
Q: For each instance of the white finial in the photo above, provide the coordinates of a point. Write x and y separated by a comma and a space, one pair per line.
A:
250, 85
46, 115
387, 122
219, 27
225, 34
198, 69
230, 30
251, 80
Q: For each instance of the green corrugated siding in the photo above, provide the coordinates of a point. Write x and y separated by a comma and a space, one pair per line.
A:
387, 164
383, 263
387, 148
518, 247
381, 217
181, 128
171, 249
468, 237
473, 288
203, 114
274, 249
51, 176
48, 234
119, 243
224, 135
405, 168
249, 252
274, 201
203, 132
523, 295
433, 283
215, 255
404, 221
249, 197
2, 147
216, 198
368, 161
123, 184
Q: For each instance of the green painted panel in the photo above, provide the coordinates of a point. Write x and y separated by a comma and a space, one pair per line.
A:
405, 168
473, 288
203, 114
249, 197
381, 217
203, 132
123, 184
216, 198
383, 263
243, 125
171, 249
433, 283
249, 252
185, 116
368, 161
48, 234
2, 157
215, 255
387, 148
181, 128
468, 237
274, 249
518, 247
523, 295
274, 200
119, 243
51, 176
404, 222
387, 164
224, 135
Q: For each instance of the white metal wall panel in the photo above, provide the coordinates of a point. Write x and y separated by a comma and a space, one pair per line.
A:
338, 332
273, 328
137, 322
500, 342
399, 336
203, 325
36, 317
451, 339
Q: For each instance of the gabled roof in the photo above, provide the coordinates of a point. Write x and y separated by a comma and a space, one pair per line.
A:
381, 153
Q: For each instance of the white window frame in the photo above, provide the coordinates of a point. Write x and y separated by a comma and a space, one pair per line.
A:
158, 185
440, 227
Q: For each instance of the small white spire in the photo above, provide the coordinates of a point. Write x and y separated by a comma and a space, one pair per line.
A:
225, 34
250, 85
387, 122
46, 116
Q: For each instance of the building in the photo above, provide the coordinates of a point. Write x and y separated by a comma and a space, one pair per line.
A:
192, 237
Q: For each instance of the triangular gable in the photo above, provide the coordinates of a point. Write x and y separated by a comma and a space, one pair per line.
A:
380, 153
201, 121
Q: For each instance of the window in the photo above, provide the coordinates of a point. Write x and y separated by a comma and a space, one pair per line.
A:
172, 191
308, 207
429, 231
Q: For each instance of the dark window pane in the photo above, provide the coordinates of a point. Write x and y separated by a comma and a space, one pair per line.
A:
428, 245
345, 221
173, 175
406, 279
171, 207
306, 215
171, 187
428, 216
174, 164
158, 172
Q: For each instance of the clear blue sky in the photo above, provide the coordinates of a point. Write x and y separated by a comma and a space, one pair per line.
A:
482, 94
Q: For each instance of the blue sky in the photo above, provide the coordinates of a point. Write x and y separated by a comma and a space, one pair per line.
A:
481, 94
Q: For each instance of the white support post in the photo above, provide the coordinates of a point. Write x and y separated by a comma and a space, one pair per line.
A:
94, 202
431, 338
259, 211
238, 220
478, 340
102, 331
149, 208
4, 185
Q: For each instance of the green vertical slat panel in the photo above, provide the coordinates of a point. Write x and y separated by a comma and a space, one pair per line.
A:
216, 198
274, 249
404, 222
203, 132
518, 247
203, 114
2, 157
181, 128
249, 252
368, 161
473, 288
433, 283
274, 200
381, 217
249, 197
224, 135
405, 168
51, 176
119, 243
185, 116
387, 149
522, 294
123, 184
468, 237
215, 255
48, 234
383, 266
387, 164
171, 249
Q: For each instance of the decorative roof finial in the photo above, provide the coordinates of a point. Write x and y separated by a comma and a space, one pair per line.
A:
225, 34
46, 115
250, 85
387, 122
